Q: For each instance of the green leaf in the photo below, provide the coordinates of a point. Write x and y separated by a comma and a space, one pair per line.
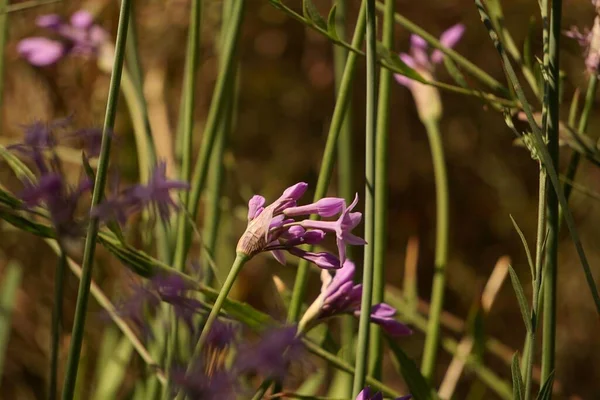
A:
312, 14
331, 22
311, 385
8, 296
419, 388
574, 107
525, 246
546, 389
391, 60
455, 73
514, 279
518, 388
18, 167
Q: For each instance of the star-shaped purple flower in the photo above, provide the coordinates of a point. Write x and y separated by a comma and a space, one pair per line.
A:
273, 228
339, 295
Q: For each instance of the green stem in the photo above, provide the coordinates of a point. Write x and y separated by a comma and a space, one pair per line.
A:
381, 191
468, 66
11, 281
92, 231
441, 248
3, 39
345, 187
551, 260
370, 136
189, 98
217, 108
262, 389
582, 128
238, 263
341, 106
59, 284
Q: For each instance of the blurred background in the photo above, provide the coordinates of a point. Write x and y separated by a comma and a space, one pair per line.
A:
286, 98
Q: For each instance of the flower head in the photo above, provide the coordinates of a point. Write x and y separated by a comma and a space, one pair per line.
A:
156, 194
272, 353
339, 295
590, 42
427, 98
79, 36
273, 228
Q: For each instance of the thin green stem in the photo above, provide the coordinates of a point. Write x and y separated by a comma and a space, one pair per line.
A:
238, 263
217, 108
262, 389
3, 39
189, 98
381, 191
581, 129
341, 106
441, 248
92, 231
11, 281
362, 351
551, 260
345, 187
468, 66
59, 285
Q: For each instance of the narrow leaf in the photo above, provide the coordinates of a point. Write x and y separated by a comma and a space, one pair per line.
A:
391, 60
419, 388
455, 73
514, 279
546, 389
8, 296
518, 389
525, 246
331, 23
312, 14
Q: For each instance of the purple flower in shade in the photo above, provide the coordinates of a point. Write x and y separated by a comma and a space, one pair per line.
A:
203, 383
273, 228
339, 295
78, 36
426, 97
366, 394
589, 41
271, 354
156, 194
60, 200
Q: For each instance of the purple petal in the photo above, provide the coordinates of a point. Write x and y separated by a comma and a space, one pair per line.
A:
391, 326
418, 50
354, 240
295, 192
417, 42
82, 19
448, 39
40, 51
315, 236
49, 21
322, 260
383, 310
279, 255
326, 207
255, 206
401, 79
48, 186
342, 276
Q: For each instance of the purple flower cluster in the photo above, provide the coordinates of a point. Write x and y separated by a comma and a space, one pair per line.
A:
273, 228
366, 394
340, 295
589, 40
80, 36
156, 195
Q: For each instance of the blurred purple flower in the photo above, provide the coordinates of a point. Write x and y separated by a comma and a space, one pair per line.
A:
156, 194
273, 229
339, 295
420, 60
78, 36
365, 394
272, 353
60, 200
590, 42
201, 383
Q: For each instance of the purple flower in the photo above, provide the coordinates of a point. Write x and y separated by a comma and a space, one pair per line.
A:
60, 200
590, 42
202, 383
365, 394
156, 194
272, 353
78, 36
273, 228
420, 60
339, 295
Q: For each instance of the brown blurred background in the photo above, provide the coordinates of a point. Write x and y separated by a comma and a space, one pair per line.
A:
285, 105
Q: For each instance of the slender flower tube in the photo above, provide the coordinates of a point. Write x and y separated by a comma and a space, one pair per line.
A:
274, 229
427, 98
339, 295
